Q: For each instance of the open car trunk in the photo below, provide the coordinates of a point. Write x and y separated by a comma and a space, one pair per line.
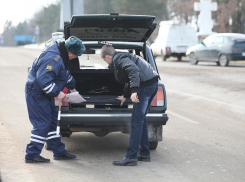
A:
98, 87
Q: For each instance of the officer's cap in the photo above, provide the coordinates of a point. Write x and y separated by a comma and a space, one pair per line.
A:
75, 45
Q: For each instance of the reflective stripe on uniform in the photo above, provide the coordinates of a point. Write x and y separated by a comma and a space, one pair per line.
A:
50, 88
38, 141
52, 132
70, 79
46, 88
55, 136
36, 136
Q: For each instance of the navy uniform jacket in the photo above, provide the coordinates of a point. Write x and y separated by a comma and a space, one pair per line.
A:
48, 74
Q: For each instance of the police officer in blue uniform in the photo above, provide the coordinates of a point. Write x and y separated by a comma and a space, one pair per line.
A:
48, 76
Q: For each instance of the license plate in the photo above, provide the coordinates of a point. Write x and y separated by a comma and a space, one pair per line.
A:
181, 48
243, 54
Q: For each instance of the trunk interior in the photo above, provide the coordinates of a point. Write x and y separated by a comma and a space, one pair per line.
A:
98, 87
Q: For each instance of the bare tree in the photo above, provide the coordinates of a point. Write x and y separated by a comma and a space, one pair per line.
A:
182, 10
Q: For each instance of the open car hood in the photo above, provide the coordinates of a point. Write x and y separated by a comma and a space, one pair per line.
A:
113, 27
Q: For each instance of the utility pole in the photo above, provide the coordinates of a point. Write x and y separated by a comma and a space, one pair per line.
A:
69, 8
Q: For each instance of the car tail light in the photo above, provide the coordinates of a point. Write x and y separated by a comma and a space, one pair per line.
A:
168, 50
56, 100
237, 49
158, 100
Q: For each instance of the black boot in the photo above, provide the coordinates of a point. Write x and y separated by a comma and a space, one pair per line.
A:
38, 159
144, 158
64, 157
126, 162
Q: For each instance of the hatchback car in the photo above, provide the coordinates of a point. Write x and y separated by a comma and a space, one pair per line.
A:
220, 48
101, 113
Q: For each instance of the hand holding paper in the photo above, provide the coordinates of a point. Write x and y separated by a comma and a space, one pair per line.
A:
74, 97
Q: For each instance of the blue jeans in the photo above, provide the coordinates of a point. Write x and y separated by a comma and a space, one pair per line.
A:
139, 130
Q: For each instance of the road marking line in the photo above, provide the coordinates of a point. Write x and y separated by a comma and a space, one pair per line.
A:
199, 97
182, 117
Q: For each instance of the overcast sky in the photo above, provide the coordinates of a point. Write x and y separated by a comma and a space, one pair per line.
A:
19, 10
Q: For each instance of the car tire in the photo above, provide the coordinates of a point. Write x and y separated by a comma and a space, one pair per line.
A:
179, 58
164, 58
153, 145
192, 58
223, 60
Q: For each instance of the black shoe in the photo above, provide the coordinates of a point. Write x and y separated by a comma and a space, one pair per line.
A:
144, 158
64, 157
126, 162
37, 159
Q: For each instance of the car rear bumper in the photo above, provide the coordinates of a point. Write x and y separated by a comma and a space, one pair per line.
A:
109, 119
236, 57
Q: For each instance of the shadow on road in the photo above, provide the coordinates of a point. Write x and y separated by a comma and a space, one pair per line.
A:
88, 142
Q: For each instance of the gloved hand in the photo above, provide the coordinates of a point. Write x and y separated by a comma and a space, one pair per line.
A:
122, 99
62, 96
134, 97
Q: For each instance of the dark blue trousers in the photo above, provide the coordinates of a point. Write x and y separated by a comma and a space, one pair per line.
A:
139, 130
43, 116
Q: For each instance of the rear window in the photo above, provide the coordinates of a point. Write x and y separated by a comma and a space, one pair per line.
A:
94, 61
237, 38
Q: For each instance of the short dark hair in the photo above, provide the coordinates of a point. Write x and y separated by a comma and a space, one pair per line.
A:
107, 50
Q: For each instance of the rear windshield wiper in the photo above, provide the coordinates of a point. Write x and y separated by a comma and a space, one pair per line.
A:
239, 40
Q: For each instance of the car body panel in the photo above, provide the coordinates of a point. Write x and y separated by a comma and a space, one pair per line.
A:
111, 120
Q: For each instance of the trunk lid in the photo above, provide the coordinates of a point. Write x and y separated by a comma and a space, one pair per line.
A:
113, 27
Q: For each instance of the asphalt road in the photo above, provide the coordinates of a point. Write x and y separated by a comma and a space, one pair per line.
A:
203, 141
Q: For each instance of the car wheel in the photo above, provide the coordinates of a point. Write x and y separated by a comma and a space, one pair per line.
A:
192, 58
163, 56
179, 58
223, 60
153, 145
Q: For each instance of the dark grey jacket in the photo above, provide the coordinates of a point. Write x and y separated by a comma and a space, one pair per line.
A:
132, 69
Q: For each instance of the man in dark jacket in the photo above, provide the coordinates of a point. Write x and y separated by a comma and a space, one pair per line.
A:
47, 78
139, 78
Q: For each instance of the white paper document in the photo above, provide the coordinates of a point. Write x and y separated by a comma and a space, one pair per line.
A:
75, 97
